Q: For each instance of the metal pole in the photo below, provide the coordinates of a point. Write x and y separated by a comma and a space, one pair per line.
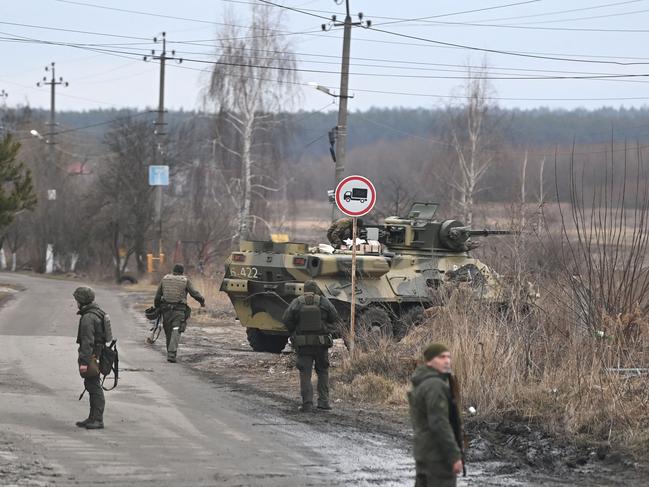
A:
341, 129
352, 321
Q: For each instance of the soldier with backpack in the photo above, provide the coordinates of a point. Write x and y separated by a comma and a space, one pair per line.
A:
94, 331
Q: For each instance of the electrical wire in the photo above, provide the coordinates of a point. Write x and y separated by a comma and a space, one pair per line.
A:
558, 12
126, 54
383, 75
399, 21
498, 51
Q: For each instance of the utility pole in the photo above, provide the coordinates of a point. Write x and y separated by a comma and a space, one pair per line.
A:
50, 140
3, 96
340, 131
160, 132
52, 123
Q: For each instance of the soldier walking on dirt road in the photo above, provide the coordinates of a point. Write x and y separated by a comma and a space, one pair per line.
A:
310, 318
171, 298
436, 421
91, 337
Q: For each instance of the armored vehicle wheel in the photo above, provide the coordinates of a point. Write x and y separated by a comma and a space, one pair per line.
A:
265, 342
373, 323
410, 318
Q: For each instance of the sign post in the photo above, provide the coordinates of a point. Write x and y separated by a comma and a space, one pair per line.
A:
355, 197
158, 177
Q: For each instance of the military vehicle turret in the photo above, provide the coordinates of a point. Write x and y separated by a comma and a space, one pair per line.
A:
404, 268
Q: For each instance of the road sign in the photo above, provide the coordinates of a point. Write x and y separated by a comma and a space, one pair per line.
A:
355, 196
158, 175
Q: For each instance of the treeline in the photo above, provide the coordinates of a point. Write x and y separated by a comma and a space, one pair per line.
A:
535, 127
104, 211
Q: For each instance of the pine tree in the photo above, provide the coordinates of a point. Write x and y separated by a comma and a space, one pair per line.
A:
16, 187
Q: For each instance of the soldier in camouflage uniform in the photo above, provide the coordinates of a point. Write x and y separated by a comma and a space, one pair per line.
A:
341, 230
171, 298
436, 421
91, 338
310, 319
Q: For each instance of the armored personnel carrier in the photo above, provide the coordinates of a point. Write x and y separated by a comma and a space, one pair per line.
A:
404, 268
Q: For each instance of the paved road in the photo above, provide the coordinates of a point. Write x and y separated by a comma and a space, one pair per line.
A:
165, 426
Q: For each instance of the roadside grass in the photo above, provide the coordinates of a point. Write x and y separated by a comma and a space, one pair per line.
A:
541, 368
217, 303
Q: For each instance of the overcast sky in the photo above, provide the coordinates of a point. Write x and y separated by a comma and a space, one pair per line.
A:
389, 68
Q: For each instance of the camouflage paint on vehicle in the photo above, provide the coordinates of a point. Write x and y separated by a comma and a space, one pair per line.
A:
419, 258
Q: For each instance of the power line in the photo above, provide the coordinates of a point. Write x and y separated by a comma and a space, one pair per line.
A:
398, 21
99, 124
187, 19
384, 75
126, 55
566, 29
467, 47
32, 26
497, 51
559, 57
557, 12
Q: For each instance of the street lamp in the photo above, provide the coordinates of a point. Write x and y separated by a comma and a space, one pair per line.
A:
324, 89
39, 136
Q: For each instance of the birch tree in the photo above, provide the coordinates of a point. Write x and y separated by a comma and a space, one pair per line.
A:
252, 80
471, 136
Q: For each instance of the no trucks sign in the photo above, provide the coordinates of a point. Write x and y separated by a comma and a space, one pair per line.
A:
355, 196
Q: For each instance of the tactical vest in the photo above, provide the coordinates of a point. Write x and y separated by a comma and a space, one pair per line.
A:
311, 330
310, 322
174, 289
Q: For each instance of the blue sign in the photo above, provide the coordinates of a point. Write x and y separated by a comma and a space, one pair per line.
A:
158, 175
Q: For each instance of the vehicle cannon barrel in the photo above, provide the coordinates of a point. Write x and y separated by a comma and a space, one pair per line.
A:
454, 235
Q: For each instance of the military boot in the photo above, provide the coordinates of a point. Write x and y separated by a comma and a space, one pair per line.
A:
306, 408
96, 419
82, 424
174, 340
95, 425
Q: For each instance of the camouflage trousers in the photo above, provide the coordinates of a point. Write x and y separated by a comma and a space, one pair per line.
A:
97, 401
307, 357
434, 475
173, 323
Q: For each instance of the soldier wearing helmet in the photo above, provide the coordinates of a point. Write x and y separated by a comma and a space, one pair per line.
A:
91, 337
171, 298
310, 319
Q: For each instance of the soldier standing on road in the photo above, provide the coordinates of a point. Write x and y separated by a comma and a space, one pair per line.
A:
436, 421
171, 298
310, 319
341, 230
91, 338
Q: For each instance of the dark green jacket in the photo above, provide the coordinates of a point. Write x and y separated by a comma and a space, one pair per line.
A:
430, 411
90, 336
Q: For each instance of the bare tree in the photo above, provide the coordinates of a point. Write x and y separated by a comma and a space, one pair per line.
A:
253, 77
123, 197
606, 238
472, 136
